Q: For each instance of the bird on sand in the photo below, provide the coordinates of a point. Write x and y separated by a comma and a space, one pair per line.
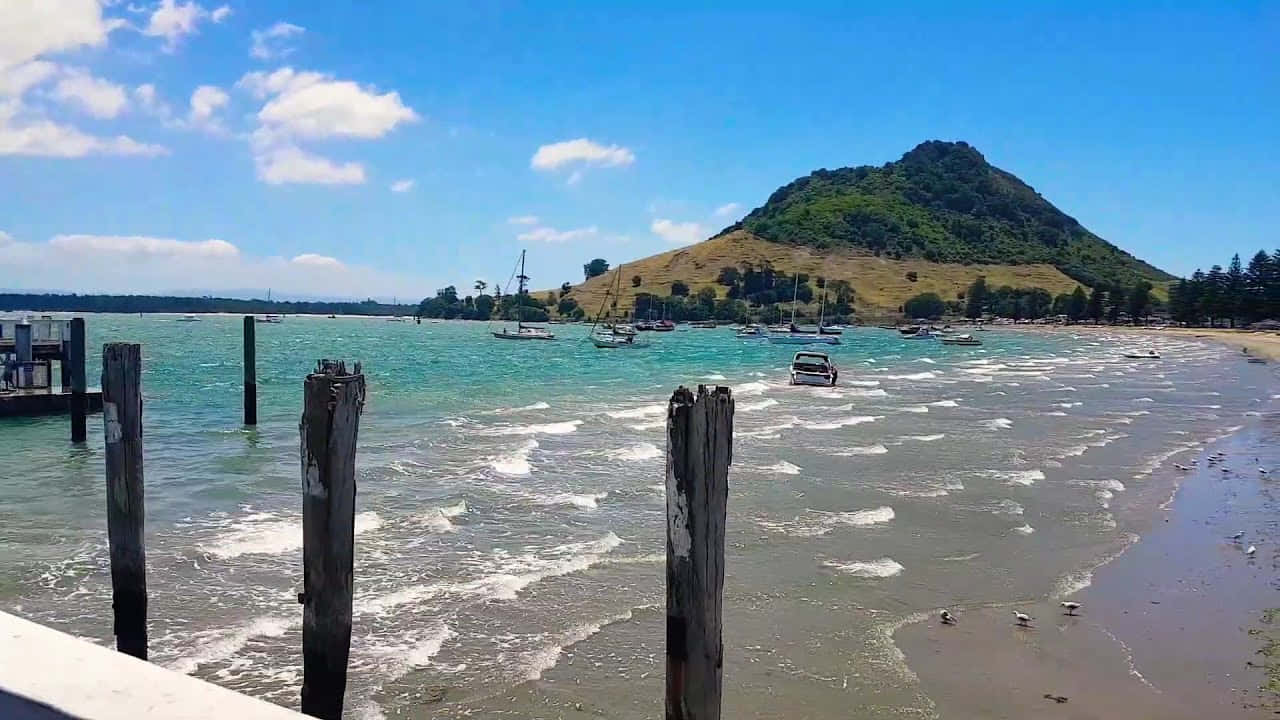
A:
1263, 471
1253, 549
1239, 534
948, 618
1022, 618
1071, 606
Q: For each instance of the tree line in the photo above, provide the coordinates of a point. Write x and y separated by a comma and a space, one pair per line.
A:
1235, 296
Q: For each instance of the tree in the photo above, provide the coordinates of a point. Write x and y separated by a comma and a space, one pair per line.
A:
596, 267
636, 280
729, 276
1116, 296
1233, 297
565, 288
1212, 302
1139, 300
912, 276
1061, 303
483, 307
448, 295
1256, 280
1097, 300
1078, 304
480, 286
679, 289
551, 299
976, 298
925, 305
567, 306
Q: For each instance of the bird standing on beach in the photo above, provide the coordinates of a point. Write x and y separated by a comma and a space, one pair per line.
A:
1023, 619
1239, 534
1253, 549
948, 618
1071, 606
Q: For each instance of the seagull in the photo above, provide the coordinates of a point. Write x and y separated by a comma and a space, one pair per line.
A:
948, 618
1239, 534
1022, 618
1251, 551
1071, 606
1226, 469
1263, 471
1181, 467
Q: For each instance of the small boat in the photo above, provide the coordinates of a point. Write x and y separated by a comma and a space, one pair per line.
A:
606, 341
704, 324
645, 326
752, 332
831, 330
270, 319
613, 335
919, 334
803, 339
1257, 361
813, 368
188, 318
663, 326
523, 332
1143, 355
909, 329
962, 339
397, 318
333, 317
887, 327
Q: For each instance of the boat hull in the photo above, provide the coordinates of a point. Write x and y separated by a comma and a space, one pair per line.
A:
522, 336
796, 339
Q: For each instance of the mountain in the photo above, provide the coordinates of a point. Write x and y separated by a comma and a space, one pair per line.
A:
930, 222
945, 203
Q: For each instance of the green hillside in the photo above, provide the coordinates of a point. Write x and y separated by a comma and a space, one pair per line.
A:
944, 203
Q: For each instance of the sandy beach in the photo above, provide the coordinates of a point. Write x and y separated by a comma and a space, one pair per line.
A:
1171, 628
1260, 343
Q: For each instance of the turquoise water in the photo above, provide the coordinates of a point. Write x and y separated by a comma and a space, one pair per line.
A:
510, 510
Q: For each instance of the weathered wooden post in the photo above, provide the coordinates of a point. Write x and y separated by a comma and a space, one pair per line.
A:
79, 401
699, 451
250, 372
126, 513
331, 405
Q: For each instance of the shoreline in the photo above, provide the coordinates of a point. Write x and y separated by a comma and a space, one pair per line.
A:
1259, 343
1168, 627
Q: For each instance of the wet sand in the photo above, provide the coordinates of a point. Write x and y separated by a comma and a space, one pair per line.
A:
1260, 343
1164, 631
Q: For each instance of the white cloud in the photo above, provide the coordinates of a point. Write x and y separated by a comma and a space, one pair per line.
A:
173, 20
315, 260
402, 186
727, 210
49, 139
679, 233
5, 238
17, 80
551, 235
290, 164
95, 96
31, 28
523, 220
270, 43
312, 106
156, 264
206, 100
148, 100
580, 152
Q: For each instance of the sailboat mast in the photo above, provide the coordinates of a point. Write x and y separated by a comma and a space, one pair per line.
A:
520, 290
795, 294
822, 307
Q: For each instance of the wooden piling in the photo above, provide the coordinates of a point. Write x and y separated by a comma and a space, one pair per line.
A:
331, 407
79, 399
699, 451
22, 347
250, 372
126, 513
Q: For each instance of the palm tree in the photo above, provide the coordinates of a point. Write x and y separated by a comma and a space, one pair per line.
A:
480, 286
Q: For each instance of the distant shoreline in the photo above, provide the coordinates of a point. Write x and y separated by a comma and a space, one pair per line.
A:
1261, 343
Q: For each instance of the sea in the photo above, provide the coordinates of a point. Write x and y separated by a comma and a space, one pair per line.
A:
510, 508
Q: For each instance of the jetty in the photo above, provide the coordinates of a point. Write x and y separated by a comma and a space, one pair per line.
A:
29, 347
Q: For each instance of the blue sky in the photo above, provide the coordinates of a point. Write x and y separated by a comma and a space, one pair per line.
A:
175, 146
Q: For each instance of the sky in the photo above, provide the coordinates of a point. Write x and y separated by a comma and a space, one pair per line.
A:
388, 149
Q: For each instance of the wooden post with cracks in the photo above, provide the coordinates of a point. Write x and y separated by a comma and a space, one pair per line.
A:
331, 406
250, 372
126, 512
699, 451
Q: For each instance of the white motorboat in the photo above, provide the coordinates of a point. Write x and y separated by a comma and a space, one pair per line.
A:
1142, 355
752, 332
803, 339
921, 334
522, 331
813, 368
963, 339
269, 318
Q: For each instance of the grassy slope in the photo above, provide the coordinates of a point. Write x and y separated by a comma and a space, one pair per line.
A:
880, 283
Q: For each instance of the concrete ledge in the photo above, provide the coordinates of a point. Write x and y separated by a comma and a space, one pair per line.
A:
49, 675
27, 403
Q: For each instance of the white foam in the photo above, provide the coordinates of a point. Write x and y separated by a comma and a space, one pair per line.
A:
560, 428
211, 646
842, 422
655, 425
547, 657
946, 403
1007, 507
915, 409
1024, 529
927, 360
925, 438
757, 405
783, 468
1143, 400
1016, 477
998, 423
585, 501
515, 462
515, 573
638, 412
882, 568
862, 383
639, 451
714, 376
815, 523
1104, 497
862, 450
926, 375
267, 534
540, 405
438, 519
751, 388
